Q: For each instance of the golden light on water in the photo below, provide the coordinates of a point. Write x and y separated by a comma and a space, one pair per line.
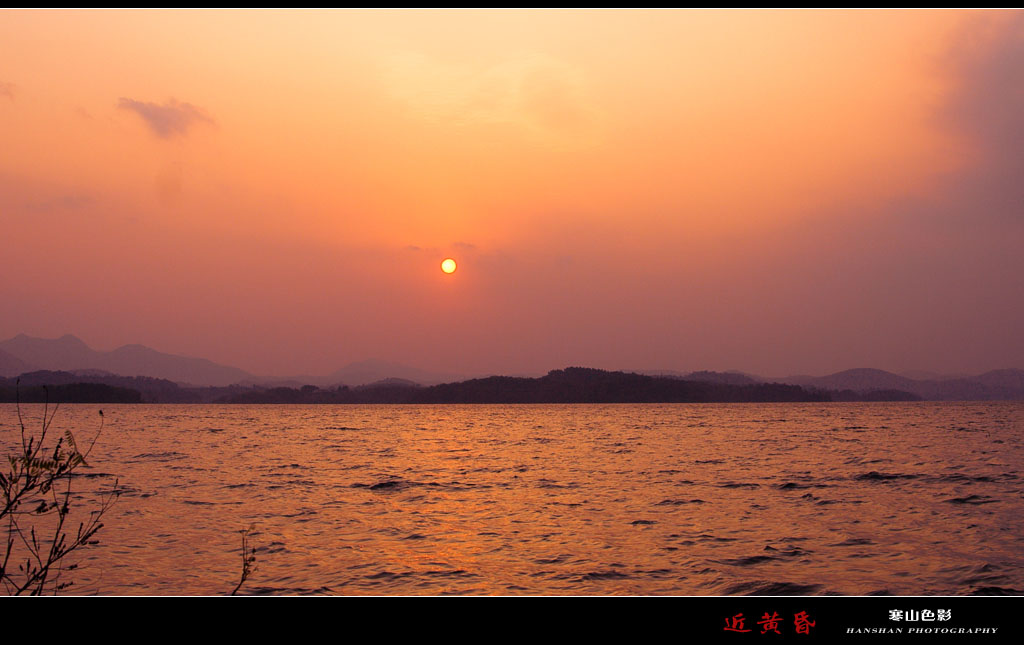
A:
448, 265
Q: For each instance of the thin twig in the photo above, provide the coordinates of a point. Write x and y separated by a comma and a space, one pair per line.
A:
248, 558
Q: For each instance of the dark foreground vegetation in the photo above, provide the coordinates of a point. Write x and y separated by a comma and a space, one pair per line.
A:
39, 510
571, 385
36, 503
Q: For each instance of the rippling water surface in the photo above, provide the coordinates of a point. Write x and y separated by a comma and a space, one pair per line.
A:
908, 498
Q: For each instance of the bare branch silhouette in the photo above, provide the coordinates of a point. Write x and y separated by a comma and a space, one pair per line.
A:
36, 486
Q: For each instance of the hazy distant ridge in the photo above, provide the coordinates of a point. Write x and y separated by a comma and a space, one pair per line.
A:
69, 353
11, 365
1004, 384
23, 354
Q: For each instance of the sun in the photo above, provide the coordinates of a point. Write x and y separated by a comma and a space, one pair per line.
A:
448, 265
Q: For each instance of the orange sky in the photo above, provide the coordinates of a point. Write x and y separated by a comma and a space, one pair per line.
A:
769, 191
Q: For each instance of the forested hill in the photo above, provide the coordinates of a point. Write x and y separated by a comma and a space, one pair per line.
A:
571, 385
68, 393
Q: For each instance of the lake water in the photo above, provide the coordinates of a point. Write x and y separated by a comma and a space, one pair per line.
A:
710, 499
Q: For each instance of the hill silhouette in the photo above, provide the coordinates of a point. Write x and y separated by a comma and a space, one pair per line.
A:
68, 393
150, 390
571, 385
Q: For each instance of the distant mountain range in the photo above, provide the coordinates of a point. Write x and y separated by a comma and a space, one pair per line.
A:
69, 353
990, 386
996, 385
157, 375
23, 354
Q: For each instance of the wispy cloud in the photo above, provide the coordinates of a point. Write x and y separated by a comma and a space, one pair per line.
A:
19, 193
987, 107
169, 120
7, 90
533, 91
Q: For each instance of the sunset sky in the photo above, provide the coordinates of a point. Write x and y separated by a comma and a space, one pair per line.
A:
777, 192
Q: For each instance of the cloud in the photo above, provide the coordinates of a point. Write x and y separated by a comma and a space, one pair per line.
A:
987, 62
7, 89
931, 279
61, 202
986, 108
169, 120
21, 194
533, 91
